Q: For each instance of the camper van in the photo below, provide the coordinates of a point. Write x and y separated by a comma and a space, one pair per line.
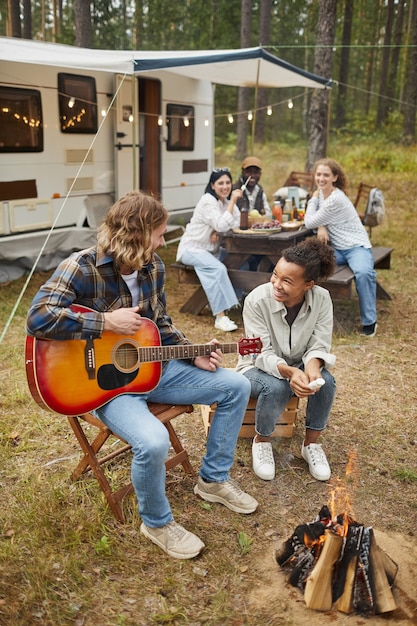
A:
72, 140
80, 127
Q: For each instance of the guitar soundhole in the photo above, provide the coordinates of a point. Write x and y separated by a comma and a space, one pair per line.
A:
125, 356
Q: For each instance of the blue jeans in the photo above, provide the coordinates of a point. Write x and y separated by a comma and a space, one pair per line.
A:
273, 394
361, 262
213, 278
181, 383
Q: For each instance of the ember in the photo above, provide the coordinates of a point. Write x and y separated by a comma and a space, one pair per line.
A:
337, 562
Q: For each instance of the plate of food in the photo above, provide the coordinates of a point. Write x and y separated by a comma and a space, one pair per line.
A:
269, 226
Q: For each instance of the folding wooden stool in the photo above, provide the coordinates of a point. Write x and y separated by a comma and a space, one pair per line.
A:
92, 447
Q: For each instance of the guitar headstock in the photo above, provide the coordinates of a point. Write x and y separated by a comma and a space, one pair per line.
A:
249, 345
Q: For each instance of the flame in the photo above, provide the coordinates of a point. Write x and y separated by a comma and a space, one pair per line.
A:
340, 497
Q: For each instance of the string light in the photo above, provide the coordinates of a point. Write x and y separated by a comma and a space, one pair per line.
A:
103, 112
290, 104
160, 120
131, 118
206, 122
269, 110
250, 116
186, 122
71, 103
230, 118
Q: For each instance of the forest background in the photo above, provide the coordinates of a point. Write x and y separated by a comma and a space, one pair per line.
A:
63, 558
368, 47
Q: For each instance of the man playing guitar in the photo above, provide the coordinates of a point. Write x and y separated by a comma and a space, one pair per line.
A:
113, 292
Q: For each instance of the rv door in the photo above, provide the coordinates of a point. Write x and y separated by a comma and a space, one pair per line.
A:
127, 143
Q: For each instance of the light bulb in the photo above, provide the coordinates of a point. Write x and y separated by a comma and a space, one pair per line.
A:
250, 116
230, 118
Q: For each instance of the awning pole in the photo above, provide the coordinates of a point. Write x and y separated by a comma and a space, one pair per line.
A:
254, 107
135, 113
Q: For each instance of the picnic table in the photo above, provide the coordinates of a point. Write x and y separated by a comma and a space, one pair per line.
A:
241, 245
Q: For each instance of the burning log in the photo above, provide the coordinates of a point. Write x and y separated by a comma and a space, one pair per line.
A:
338, 562
343, 587
318, 589
381, 590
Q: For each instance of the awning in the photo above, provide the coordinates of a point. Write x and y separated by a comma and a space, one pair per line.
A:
247, 67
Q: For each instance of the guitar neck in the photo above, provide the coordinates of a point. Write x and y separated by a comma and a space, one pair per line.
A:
187, 351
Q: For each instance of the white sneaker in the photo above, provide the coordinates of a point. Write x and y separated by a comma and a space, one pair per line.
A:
316, 459
263, 460
225, 324
175, 540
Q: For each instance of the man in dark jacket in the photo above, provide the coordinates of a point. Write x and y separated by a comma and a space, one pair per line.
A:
254, 196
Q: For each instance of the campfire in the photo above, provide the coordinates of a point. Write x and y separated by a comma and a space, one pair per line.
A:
337, 563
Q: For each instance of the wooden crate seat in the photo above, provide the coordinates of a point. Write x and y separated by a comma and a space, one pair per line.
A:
285, 424
95, 456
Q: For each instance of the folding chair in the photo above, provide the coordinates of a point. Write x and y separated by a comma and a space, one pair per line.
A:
95, 457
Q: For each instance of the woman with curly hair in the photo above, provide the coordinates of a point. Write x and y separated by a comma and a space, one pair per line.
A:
293, 316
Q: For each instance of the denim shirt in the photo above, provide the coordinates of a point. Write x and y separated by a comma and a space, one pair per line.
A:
91, 279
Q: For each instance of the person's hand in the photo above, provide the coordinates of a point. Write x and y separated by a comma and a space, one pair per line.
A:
125, 321
236, 194
214, 237
211, 362
322, 234
299, 384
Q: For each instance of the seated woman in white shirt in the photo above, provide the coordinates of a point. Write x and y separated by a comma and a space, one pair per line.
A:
293, 316
216, 212
337, 222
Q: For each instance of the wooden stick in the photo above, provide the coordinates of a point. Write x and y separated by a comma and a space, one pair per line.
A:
354, 538
381, 591
318, 590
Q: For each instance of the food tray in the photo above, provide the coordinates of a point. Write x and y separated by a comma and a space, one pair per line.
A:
254, 231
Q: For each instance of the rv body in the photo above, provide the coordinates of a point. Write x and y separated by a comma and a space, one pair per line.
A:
152, 132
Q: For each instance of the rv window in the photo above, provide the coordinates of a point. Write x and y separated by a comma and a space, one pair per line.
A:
77, 103
180, 122
20, 120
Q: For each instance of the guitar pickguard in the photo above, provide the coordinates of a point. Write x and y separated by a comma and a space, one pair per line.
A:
109, 377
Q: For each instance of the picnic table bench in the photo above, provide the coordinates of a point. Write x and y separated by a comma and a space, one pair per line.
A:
340, 284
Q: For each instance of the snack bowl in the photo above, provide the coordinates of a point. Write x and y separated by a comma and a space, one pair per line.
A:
292, 225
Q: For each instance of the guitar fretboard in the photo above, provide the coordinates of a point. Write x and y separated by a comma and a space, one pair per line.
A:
191, 351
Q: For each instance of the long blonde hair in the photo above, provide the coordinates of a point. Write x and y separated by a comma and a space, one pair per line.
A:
126, 233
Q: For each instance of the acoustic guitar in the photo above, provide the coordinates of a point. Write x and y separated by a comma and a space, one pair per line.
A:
75, 376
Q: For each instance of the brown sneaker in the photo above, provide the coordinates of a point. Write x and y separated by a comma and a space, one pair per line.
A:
175, 540
227, 493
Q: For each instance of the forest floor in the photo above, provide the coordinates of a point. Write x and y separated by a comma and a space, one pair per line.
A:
64, 560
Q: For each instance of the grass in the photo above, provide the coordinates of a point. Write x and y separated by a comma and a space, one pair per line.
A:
65, 560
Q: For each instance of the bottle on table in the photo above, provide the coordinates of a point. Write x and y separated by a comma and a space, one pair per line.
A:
244, 219
287, 213
277, 210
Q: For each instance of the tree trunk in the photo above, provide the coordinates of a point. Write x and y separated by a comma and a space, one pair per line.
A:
138, 34
344, 66
409, 127
323, 61
83, 27
27, 19
262, 100
243, 93
395, 56
14, 27
382, 100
